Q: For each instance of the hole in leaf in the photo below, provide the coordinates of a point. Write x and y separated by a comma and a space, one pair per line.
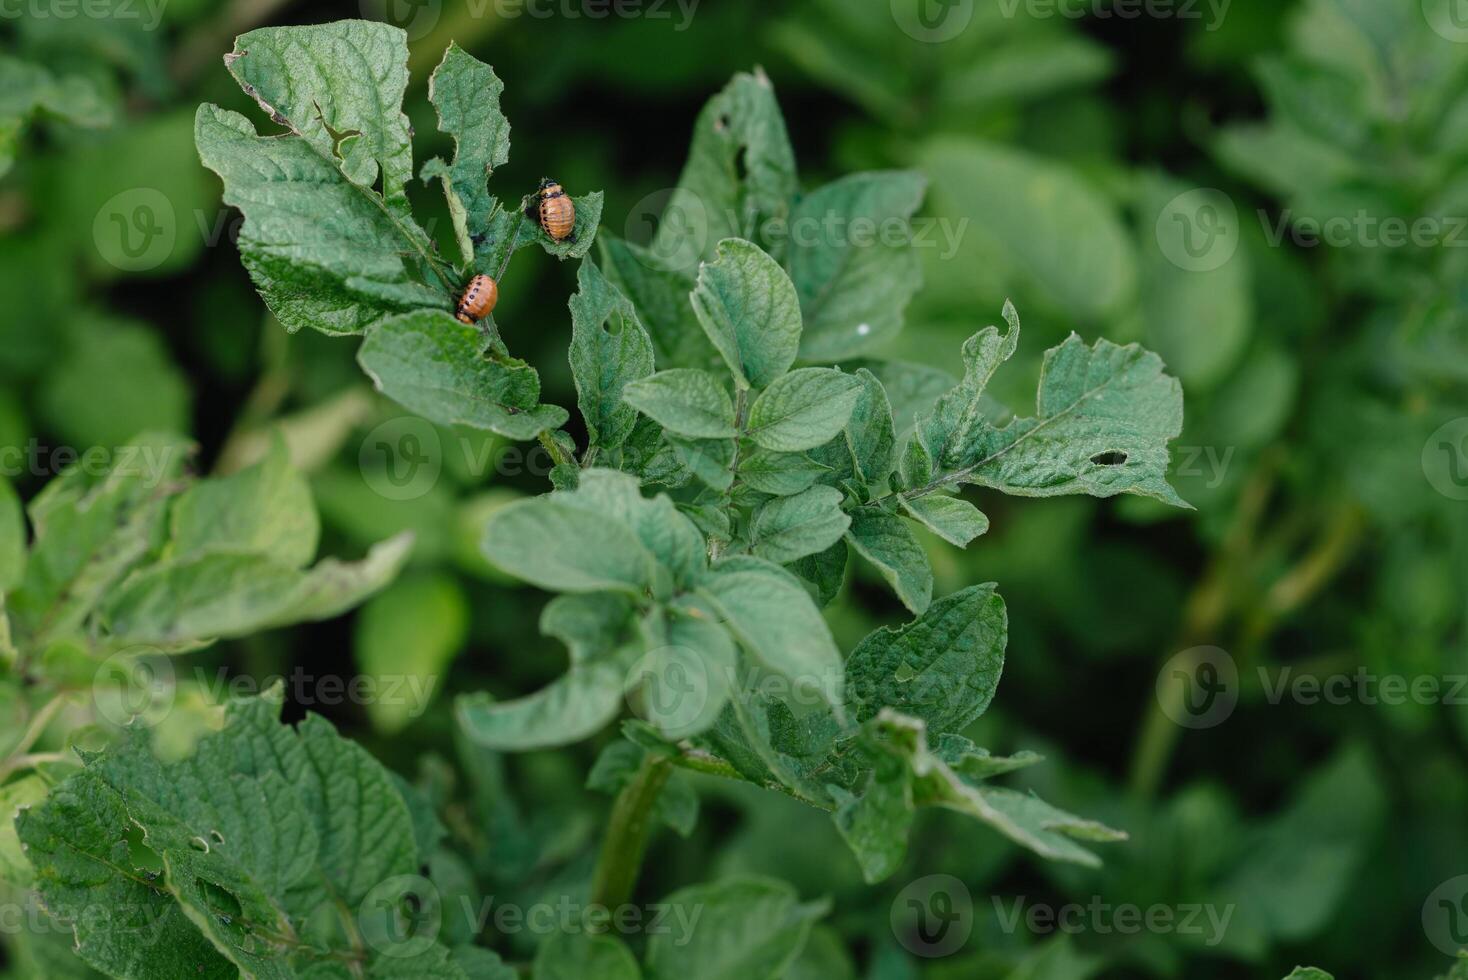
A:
1109, 459
199, 844
142, 857
216, 836
741, 166
219, 901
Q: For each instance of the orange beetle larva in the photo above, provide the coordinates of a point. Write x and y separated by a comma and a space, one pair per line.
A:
556, 212
478, 300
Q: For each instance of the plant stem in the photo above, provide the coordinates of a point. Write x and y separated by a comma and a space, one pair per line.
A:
1205, 615
557, 454
626, 841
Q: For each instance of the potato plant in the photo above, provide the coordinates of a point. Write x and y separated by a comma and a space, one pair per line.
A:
714, 692
774, 475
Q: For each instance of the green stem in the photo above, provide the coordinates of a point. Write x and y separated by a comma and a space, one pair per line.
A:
557, 454
626, 841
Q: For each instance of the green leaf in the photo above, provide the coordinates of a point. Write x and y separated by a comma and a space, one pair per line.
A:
1296, 870
1199, 320
667, 534
963, 406
479, 963
803, 409
338, 86
557, 545
595, 629
824, 957
740, 175
466, 92
405, 639
12, 538
749, 309
264, 510
774, 618
90, 531
781, 474
1031, 222
1105, 417
117, 380
954, 520
740, 929
771, 737
871, 433
262, 830
942, 668
909, 388
689, 402
888, 543
503, 232
1308, 973
323, 252
14, 796
854, 281
711, 460
218, 595
789, 528
609, 351
436, 366
909, 775
577, 955
826, 572
30, 90
689, 671
660, 295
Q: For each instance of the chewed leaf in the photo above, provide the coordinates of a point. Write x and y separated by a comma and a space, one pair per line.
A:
466, 92
321, 251
340, 87
609, 352
436, 366
1105, 417
909, 775
261, 831
740, 132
